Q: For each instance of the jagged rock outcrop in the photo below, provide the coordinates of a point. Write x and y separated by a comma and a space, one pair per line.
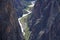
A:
9, 26
44, 22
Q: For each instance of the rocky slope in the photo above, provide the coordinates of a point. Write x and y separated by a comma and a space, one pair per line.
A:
44, 22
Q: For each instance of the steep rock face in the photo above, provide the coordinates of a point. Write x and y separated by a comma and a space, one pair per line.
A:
44, 22
9, 27
18, 6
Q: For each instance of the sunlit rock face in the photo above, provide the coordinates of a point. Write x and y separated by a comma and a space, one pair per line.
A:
26, 11
9, 27
44, 22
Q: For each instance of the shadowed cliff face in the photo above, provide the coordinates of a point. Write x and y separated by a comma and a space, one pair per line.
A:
44, 23
18, 6
9, 27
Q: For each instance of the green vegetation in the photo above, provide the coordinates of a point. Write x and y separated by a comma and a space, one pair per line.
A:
27, 32
24, 20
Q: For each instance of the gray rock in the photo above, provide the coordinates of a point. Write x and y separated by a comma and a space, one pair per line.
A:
48, 12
